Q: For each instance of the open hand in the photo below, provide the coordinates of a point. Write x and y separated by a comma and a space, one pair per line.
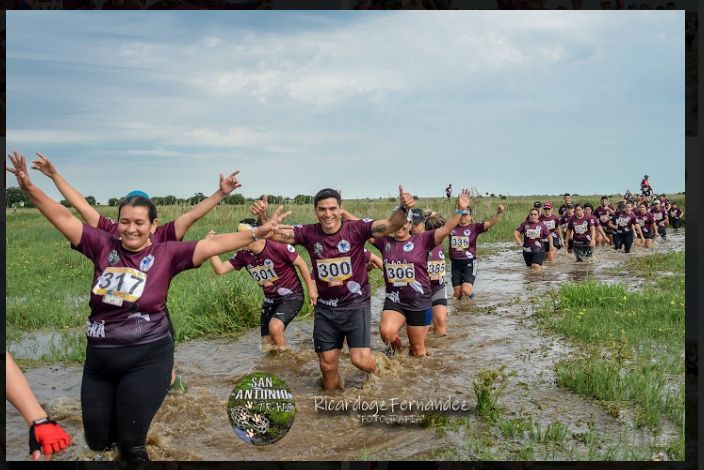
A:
229, 184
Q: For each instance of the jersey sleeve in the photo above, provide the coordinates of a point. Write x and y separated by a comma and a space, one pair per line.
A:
92, 242
236, 261
363, 229
165, 233
521, 228
181, 255
378, 243
106, 224
429, 239
300, 234
479, 228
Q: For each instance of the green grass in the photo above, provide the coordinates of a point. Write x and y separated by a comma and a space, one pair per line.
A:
632, 342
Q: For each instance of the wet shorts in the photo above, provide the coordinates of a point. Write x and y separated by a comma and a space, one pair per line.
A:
413, 317
648, 236
332, 325
285, 310
534, 257
439, 296
463, 271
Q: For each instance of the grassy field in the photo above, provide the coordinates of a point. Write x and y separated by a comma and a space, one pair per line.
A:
632, 342
48, 282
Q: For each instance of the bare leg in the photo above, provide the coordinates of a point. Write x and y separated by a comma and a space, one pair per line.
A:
329, 366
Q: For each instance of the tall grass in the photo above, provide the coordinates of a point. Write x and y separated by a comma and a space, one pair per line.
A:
633, 341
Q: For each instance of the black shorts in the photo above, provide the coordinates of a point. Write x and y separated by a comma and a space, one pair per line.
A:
332, 325
608, 230
570, 244
285, 310
413, 317
439, 297
534, 257
463, 271
676, 223
648, 236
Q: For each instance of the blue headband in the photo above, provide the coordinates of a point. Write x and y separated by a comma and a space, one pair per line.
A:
137, 193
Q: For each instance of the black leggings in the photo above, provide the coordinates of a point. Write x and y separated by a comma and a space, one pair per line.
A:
121, 391
623, 239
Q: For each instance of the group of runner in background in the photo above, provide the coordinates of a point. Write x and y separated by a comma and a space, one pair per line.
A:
580, 227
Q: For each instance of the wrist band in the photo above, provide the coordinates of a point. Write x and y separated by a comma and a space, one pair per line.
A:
254, 235
43, 420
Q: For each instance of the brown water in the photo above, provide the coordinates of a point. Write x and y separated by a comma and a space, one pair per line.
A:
490, 331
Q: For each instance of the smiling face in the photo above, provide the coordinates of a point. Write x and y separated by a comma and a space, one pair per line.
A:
134, 227
579, 212
329, 214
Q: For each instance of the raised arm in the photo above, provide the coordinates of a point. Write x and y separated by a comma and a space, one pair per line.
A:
463, 201
185, 221
310, 284
397, 217
259, 208
592, 232
72, 195
219, 244
494, 218
59, 216
219, 266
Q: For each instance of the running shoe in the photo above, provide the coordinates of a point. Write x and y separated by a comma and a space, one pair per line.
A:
179, 386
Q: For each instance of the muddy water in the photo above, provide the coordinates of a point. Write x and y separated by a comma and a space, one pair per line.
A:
487, 332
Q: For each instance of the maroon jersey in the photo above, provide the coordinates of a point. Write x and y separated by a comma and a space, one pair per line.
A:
533, 234
604, 214
163, 233
406, 269
675, 213
562, 210
551, 222
581, 234
463, 241
624, 221
436, 268
128, 298
564, 220
272, 269
646, 222
339, 266
659, 215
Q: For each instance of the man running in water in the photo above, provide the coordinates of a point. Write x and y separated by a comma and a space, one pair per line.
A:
336, 249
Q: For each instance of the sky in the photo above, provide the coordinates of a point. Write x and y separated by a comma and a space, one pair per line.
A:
504, 102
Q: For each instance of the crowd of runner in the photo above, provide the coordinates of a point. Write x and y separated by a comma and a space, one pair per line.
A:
129, 366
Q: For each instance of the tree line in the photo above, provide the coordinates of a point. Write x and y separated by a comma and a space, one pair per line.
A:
14, 197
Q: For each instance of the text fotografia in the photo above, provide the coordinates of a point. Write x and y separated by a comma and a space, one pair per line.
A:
391, 405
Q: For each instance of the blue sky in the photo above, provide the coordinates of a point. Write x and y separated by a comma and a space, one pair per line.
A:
521, 102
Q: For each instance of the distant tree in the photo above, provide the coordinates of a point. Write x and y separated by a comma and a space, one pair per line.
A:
113, 201
502, 196
196, 198
181, 201
492, 195
14, 196
65, 203
234, 199
91, 200
302, 199
170, 200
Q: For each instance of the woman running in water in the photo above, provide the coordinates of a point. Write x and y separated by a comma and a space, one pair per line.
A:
273, 266
408, 289
648, 227
130, 350
420, 222
534, 232
552, 222
582, 232
625, 225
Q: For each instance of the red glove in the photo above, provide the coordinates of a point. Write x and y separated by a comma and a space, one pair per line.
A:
48, 436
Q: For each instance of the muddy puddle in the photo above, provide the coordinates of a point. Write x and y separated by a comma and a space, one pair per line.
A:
490, 331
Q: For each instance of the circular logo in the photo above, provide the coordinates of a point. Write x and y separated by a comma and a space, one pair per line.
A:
261, 408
